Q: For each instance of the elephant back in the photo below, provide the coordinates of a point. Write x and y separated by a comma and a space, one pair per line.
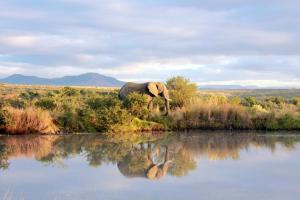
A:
130, 87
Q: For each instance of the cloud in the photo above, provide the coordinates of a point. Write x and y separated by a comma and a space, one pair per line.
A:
152, 40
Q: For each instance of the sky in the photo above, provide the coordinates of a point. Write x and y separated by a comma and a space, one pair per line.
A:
245, 42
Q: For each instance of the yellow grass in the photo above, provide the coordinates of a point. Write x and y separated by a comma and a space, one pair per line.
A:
211, 114
29, 120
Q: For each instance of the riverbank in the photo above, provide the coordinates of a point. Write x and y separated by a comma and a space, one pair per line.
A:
53, 110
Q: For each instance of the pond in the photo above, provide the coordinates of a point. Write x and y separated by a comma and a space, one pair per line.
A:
194, 165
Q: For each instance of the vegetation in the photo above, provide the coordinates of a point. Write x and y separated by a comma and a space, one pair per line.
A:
40, 109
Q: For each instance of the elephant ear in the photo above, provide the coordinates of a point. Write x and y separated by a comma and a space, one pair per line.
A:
153, 88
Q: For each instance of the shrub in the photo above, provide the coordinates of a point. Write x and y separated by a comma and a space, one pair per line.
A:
166, 121
136, 104
68, 91
250, 101
255, 109
29, 120
17, 103
181, 91
46, 103
235, 101
296, 101
29, 95
103, 101
289, 122
109, 118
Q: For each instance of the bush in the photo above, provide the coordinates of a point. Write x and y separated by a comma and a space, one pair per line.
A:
296, 101
107, 119
68, 91
29, 95
250, 101
17, 103
181, 91
289, 122
136, 104
46, 103
104, 101
256, 109
235, 101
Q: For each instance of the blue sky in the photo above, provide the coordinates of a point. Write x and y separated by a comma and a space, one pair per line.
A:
247, 42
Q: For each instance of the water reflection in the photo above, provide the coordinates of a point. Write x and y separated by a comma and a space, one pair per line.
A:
175, 155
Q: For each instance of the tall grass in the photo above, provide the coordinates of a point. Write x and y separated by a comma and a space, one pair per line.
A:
210, 114
29, 120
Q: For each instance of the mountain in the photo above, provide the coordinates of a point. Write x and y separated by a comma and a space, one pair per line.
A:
88, 79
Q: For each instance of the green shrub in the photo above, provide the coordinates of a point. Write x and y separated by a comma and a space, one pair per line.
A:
235, 101
18, 103
68, 91
108, 118
250, 101
136, 104
296, 101
181, 91
29, 95
289, 122
166, 121
103, 101
46, 103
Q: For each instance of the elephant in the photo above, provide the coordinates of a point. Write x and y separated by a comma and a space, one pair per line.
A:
150, 89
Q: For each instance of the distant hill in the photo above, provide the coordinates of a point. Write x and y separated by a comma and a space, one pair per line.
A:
227, 87
241, 87
88, 79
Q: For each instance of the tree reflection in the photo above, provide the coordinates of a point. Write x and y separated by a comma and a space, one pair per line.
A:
174, 155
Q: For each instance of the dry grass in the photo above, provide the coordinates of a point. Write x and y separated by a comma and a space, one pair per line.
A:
29, 120
211, 114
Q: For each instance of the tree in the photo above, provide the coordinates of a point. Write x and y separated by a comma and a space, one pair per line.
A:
181, 91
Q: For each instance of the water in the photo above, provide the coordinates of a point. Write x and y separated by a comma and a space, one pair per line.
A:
185, 166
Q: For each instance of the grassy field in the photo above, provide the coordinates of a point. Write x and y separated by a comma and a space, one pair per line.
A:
258, 93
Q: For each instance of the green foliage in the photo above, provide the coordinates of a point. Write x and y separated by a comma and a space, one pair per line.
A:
18, 103
68, 91
296, 101
103, 101
181, 91
29, 95
166, 121
108, 118
235, 100
136, 104
46, 103
256, 109
250, 101
289, 122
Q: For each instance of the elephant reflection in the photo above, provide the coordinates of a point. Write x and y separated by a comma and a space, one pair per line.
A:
140, 163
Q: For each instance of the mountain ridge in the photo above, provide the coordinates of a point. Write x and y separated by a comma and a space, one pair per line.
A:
86, 79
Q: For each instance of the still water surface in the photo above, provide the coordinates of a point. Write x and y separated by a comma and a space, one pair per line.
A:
189, 166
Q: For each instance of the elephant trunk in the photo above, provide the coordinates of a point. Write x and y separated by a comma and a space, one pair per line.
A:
167, 100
